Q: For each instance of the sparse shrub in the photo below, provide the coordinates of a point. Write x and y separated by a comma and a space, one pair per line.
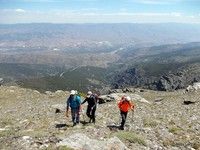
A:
64, 148
7, 133
150, 123
174, 130
6, 121
131, 137
168, 142
59, 148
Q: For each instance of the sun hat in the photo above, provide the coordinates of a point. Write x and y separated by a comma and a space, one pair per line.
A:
73, 92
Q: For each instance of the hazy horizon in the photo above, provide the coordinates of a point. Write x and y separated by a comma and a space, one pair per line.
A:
99, 11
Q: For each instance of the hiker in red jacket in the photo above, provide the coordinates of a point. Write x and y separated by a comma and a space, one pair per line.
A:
124, 105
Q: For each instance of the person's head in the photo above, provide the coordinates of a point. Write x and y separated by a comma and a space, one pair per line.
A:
73, 92
89, 93
123, 98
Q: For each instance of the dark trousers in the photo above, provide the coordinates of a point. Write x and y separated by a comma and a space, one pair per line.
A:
75, 115
91, 113
123, 116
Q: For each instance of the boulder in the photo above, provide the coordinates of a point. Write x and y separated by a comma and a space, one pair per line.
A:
194, 87
1, 81
59, 108
115, 91
106, 98
81, 141
117, 97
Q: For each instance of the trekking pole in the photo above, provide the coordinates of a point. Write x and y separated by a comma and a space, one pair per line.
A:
132, 115
83, 114
120, 119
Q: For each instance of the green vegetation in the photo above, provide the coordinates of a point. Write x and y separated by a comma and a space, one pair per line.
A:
71, 79
175, 130
16, 71
131, 137
6, 121
58, 148
150, 123
8, 132
64, 148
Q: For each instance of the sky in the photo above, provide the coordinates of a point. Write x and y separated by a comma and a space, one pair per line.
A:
99, 11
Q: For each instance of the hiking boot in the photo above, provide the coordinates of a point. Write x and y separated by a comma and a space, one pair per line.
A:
74, 124
93, 120
121, 128
90, 120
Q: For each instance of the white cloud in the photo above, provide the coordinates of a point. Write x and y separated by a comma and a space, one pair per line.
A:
75, 16
20, 10
156, 2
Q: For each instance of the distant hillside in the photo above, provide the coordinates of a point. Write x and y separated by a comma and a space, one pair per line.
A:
166, 67
82, 79
96, 36
178, 65
45, 77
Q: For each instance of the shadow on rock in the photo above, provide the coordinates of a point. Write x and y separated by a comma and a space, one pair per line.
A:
113, 127
62, 125
84, 122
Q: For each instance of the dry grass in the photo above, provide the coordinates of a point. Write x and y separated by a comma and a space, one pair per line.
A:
131, 137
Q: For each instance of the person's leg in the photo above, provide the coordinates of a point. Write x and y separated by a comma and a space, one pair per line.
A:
73, 114
89, 113
93, 114
77, 116
123, 115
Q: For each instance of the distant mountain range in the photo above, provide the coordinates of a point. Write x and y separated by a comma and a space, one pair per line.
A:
48, 56
67, 36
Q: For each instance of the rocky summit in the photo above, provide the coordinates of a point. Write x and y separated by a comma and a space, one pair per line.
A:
161, 121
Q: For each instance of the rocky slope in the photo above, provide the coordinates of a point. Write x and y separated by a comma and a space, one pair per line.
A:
161, 121
169, 81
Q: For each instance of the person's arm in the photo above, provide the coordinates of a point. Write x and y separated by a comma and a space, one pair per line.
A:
119, 103
131, 106
67, 107
84, 101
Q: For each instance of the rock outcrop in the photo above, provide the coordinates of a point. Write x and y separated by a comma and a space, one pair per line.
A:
169, 81
80, 141
1, 81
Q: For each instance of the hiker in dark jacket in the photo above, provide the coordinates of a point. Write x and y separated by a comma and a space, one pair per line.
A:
91, 99
74, 102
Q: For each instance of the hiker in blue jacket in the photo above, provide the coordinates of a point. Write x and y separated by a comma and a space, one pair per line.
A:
74, 102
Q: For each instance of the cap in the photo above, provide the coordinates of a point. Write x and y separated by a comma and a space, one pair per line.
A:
128, 98
73, 92
89, 93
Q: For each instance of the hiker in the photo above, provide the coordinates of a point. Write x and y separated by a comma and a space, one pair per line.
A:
74, 102
91, 99
124, 105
